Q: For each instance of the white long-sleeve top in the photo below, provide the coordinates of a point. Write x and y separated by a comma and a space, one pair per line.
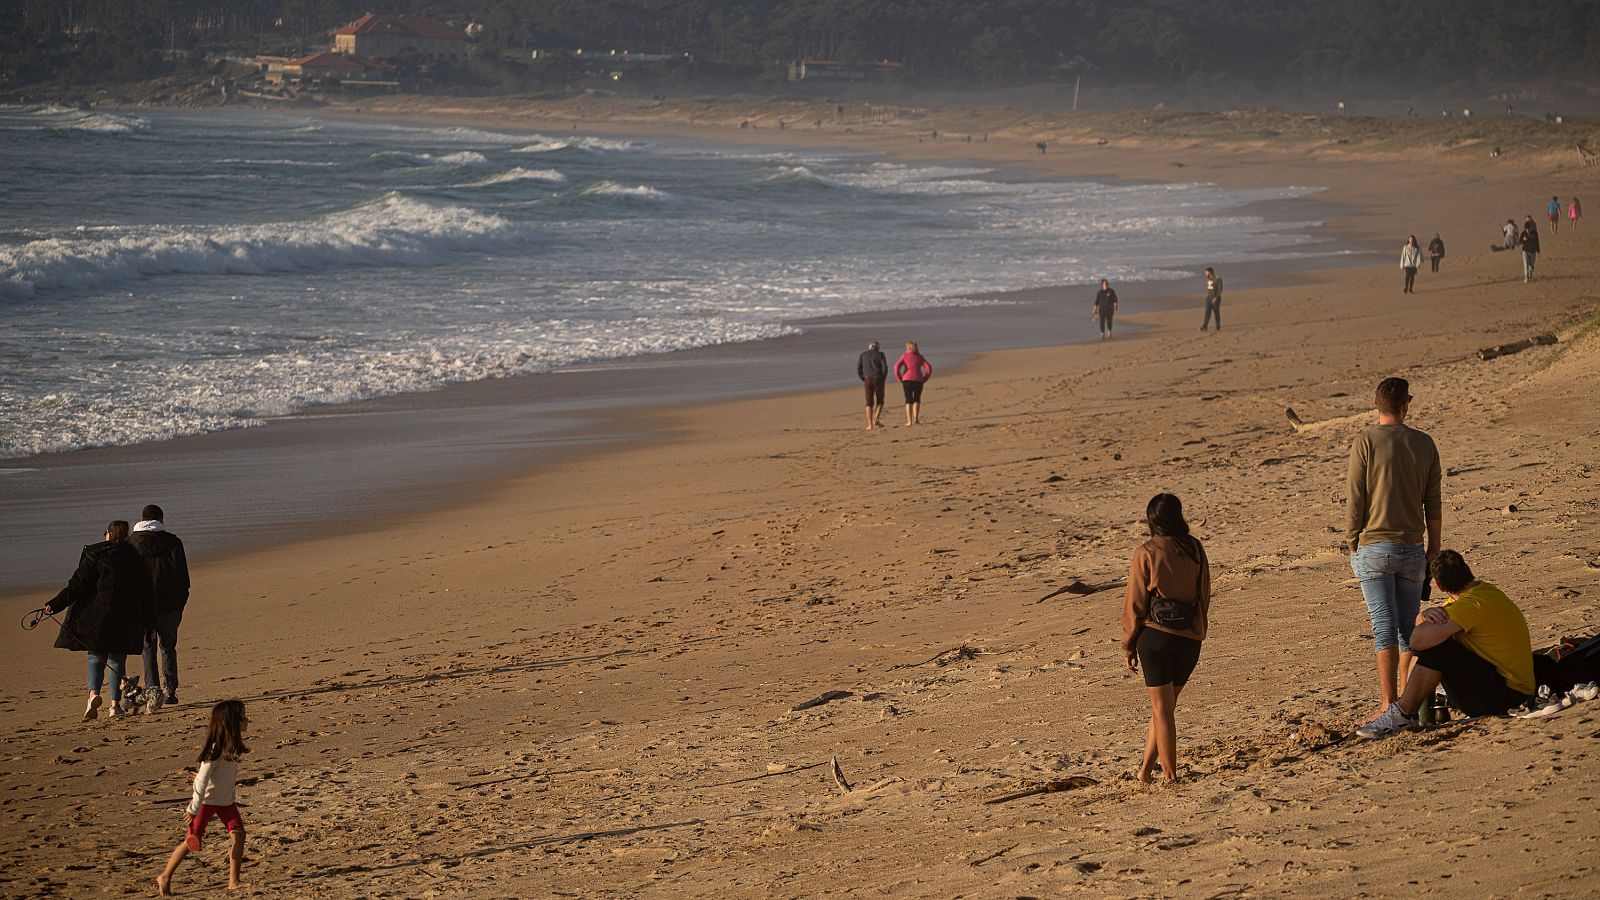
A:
1410, 256
214, 784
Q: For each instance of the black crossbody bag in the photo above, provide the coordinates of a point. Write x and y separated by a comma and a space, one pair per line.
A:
1176, 614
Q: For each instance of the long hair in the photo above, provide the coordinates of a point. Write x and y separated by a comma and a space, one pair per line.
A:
1164, 515
225, 738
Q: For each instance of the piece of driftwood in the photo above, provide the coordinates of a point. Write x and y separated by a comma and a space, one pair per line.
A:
828, 697
1080, 589
995, 855
838, 777
1499, 350
1293, 417
943, 657
1049, 787
767, 775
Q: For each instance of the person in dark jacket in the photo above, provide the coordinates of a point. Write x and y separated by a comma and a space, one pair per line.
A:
1529, 241
1436, 251
873, 369
1105, 307
169, 573
110, 606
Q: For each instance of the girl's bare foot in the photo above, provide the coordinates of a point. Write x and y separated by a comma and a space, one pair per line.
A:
239, 886
1143, 775
163, 886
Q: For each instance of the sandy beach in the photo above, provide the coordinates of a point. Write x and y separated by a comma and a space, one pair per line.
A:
585, 680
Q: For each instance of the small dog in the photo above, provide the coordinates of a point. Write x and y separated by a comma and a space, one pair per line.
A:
137, 698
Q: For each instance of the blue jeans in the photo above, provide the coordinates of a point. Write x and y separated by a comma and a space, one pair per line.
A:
1393, 578
97, 672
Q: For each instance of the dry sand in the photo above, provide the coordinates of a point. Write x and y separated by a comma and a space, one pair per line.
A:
571, 687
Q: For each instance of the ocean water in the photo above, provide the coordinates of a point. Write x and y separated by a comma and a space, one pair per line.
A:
170, 273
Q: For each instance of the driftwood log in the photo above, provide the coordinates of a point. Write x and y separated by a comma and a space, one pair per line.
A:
1049, 787
828, 697
1499, 350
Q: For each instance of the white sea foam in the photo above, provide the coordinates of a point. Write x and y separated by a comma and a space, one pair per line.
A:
62, 118
317, 164
639, 192
542, 144
392, 231
544, 176
459, 158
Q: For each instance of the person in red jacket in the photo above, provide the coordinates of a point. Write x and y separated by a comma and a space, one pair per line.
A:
912, 370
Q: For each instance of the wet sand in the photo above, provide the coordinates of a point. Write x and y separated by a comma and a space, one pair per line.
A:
585, 681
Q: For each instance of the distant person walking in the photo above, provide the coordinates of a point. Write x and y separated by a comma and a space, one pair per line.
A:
1392, 493
169, 572
110, 607
1574, 213
1164, 618
911, 370
872, 367
1213, 299
1105, 306
1410, 261
1436, 251
1552, 211
1529, 241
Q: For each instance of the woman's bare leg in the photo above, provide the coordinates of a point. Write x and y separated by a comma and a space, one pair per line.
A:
1163, 706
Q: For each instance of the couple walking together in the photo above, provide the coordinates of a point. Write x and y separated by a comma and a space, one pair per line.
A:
911, 370
126, 596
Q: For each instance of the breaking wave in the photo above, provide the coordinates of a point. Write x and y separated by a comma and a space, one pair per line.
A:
391, 231
544, 176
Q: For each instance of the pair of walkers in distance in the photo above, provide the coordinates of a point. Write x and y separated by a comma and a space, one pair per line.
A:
1104, 309
1475, 644
912, 370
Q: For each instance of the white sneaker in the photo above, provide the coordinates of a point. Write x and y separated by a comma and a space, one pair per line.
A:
1585, 691
1393, 719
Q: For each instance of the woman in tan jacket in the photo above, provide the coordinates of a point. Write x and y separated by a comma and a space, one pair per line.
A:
1163, 622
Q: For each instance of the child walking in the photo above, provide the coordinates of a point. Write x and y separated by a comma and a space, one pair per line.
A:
213, 793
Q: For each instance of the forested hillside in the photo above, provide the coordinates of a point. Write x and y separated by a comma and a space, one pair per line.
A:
1291, 46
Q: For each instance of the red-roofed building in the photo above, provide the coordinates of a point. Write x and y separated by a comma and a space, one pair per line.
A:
395, 37
327, 68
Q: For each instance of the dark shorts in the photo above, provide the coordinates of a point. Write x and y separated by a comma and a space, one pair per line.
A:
874, 388
913, 391
1474, 685
1166, 658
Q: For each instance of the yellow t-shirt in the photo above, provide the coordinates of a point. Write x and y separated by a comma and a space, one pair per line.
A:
1493, 628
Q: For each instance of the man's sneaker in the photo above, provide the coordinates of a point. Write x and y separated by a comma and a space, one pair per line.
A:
1393, 719
1585, 691
172, 698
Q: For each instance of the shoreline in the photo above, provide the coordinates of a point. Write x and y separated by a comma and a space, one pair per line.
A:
617, 655
244, 505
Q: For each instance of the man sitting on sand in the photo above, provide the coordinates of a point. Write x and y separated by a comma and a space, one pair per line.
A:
1476, 644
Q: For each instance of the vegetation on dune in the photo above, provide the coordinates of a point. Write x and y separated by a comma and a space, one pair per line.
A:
1266, 45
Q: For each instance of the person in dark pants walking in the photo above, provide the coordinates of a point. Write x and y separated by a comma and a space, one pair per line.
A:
169, 571
1213, 299
1436, 251
873, 369
1410, 261
1105, 306
1529, 242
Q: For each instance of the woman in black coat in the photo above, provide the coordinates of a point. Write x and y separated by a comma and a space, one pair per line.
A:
110, 604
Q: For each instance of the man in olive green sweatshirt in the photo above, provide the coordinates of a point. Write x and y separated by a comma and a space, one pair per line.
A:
1393, 499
